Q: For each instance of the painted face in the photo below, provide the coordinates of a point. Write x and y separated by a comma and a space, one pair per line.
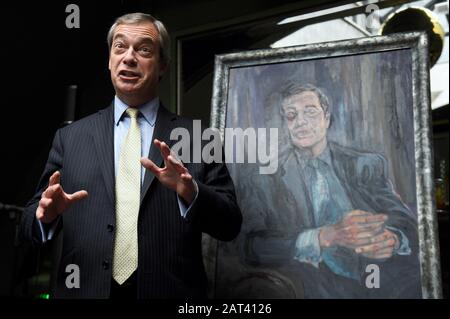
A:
306, 121
134, 62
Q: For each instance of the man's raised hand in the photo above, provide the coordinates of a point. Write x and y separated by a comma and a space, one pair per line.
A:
174, 175
54, 201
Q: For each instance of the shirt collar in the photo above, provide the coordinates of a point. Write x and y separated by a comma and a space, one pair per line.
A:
148, 110
325, 156
303, 158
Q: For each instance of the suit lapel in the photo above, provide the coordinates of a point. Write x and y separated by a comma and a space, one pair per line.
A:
343, 167
164, 124
104, 145
295, 183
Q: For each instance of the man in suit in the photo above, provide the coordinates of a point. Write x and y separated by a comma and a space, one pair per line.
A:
133, 228
333, 212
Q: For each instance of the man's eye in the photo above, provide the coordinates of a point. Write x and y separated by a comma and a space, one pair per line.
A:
145, 50
119, 47
291, 115
311, 112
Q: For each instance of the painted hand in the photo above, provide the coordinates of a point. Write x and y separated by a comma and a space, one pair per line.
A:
381, 246
355, 229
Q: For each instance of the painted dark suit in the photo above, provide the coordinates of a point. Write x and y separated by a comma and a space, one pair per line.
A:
276, 216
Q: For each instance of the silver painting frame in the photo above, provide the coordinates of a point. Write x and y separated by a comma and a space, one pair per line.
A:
418, 44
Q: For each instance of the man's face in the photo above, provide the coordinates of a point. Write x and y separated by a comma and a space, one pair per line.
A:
134, 62
306, 121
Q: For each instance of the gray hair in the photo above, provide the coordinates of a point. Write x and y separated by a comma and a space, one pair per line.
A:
136, 18
292, 88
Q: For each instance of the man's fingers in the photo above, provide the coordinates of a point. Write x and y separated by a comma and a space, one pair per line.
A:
166, 151
179, 167
40, 212
389, 243
77, 196
148, 164
163, 147
364, 219
369, 219
54, 179
380, 254
358, 212
372, 225
383, 237
186, 177
363, 235
51, 191
360, 231
44, 203
367, 238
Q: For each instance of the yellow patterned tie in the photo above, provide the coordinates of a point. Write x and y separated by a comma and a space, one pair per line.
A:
128, 191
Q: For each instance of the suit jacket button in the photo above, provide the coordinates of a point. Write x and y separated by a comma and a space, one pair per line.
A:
105, 264
110, 228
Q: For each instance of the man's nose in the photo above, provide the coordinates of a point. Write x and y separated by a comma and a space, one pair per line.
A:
130, 58
301, 119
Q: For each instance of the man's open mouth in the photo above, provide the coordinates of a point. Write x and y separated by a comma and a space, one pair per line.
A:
302, 134
130, 75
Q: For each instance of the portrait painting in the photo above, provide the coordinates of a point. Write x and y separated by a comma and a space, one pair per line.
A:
347, 210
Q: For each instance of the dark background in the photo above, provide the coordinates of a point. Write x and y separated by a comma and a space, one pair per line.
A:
41, 57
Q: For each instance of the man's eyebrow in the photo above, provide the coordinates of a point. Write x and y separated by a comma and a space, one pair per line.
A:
139, 39
313, 106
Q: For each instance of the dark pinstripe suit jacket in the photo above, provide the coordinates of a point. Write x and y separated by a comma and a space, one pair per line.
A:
170, 253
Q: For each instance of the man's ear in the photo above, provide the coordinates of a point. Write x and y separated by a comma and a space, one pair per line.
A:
109, 62
328, 119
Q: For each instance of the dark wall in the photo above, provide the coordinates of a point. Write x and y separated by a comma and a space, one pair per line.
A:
41, 57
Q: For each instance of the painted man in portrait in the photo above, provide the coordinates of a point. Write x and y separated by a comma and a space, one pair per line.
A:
330, 212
